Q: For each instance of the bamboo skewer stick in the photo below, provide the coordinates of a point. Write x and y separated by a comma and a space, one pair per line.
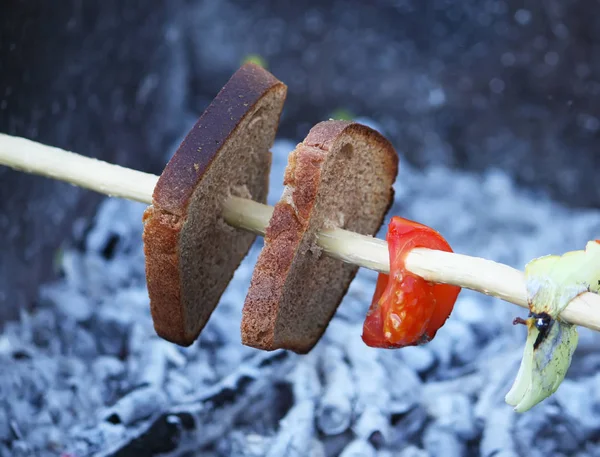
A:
482, 275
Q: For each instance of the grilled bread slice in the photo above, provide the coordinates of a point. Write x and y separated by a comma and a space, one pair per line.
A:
340, 176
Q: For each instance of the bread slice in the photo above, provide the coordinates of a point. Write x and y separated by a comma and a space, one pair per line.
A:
191, 254
340, 176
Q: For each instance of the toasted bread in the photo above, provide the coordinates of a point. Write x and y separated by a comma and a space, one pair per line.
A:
340, 176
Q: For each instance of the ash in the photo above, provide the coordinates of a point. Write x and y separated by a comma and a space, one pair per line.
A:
85, 374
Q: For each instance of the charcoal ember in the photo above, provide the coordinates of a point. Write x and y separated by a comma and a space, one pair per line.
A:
201, 371
372, 426
22, 330
74, 270
243, 444
356, 303
471, 309
163, 435
306, 384
335, 444
454, 341
216, 414
211, 336
441, 347
217, 332
591, 450
81, 343
296, 431
207, 416
20, 382
151, 368
107, 367
104, 277
134, 298
585, 363
253, 445
71, 369
271, 406
179, 387
440, 441
580, 403
455, 413
20, 416
6, 348
111, 327
5, 430
111, 230
94, 440
44, 328
17, 430
545, 431
334, 412
359, 448
60, 403
175, 356
259, 446
498, 369
70, 338
138, 339
408, 427
70, 303
74, 376
237, 382
139, 404
230, 356
13, 349
412, 451
497, 435
372, 394
464, 341
87, 396
68, 407
317, 448
406, 394
20, 448
111, 244
419, 358
45, 437
340, 331
468, 384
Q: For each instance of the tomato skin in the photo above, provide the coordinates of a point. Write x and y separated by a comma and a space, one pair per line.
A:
407, 310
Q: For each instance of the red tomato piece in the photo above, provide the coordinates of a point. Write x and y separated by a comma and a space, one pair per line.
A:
407, 310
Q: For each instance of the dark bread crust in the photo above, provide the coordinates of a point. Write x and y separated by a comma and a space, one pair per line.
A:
288, 226
165, 219
204, 141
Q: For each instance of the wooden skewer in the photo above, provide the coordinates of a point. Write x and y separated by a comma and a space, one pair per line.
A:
485, 276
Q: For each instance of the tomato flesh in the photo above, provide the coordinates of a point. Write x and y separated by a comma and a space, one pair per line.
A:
407, 310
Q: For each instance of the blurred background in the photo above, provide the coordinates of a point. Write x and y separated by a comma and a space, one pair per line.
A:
505, 91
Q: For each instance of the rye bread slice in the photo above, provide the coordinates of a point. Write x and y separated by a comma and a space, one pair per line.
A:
191, 253
340, 176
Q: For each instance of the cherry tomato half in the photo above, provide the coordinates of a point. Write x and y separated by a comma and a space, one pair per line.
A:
407, 310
